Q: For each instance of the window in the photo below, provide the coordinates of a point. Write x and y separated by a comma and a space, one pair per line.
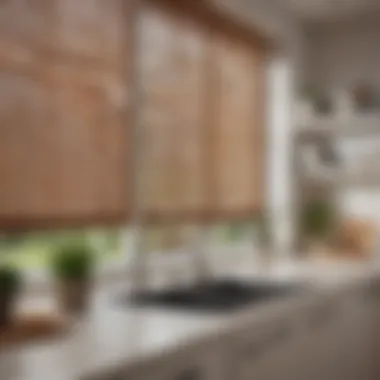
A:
31, 251
65, 149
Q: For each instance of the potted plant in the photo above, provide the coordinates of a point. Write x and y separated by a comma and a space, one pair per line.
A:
323, 104
10, 282
317, 221
313, 102
364, 96
72, 266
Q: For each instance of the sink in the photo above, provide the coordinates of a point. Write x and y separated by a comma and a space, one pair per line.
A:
216, 295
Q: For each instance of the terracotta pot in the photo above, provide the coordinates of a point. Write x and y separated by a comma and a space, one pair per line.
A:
364, 97
74, 295
7, 301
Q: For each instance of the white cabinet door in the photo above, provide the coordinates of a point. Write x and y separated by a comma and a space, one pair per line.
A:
267, 352
327, 327
338, 341
376, 313
198, 362
357, 337
309, 358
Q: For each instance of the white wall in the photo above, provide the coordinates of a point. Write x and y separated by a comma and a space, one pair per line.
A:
281, 79
342, 54
339, 56
272, 19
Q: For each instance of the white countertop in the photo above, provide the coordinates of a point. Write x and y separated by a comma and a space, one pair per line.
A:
111, 335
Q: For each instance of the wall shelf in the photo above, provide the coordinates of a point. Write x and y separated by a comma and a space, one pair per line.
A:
350, 126
342, 180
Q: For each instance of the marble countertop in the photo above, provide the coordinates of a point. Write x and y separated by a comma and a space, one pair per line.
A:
112, 335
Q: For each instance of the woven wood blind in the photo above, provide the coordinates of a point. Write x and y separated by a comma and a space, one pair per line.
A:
172, 111
62, 142
238, 125
202, 120
65, 70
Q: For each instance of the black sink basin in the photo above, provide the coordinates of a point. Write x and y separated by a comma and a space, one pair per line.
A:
214, 295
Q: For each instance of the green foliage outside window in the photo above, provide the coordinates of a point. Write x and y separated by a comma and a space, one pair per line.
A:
34, 250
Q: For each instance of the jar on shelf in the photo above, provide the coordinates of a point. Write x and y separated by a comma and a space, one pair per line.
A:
344, 104
364, 97
304, 110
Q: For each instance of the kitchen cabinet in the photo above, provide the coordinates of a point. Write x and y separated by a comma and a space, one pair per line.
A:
268, 351
304, 354
323, 335
358, 341
200, 361
376, 333
270, 356
348, 347
329, 335
338, 338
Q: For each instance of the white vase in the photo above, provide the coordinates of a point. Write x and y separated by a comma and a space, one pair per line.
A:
304, 111
344, 104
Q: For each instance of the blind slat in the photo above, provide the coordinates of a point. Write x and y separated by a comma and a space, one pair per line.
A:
64, 128
62, 140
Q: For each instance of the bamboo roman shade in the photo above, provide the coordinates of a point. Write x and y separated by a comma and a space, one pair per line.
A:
237, 157
65, 129
172, 115
62, 141
202, 119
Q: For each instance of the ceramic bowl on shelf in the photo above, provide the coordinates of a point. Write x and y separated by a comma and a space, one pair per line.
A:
344, 104
304, 111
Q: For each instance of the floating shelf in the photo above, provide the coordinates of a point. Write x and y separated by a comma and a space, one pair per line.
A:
350, 126
362, 180
347, 180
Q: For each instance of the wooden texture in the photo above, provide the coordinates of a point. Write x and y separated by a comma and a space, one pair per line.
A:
236, 126
37, 328
190, 104
62, 140
171, 109
65, 89
158, 123
202, 112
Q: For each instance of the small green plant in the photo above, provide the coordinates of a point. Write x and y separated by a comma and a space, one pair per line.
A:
10, 282
73, 262
318, 99
317, 219
10, 279
307, 92
262, 225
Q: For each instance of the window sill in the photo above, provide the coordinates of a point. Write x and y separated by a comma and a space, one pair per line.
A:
37, 282
173, 265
